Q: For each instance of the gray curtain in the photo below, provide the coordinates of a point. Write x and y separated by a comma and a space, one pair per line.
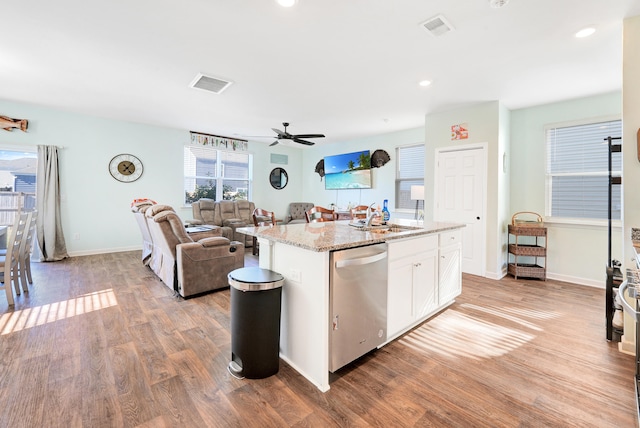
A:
48, 224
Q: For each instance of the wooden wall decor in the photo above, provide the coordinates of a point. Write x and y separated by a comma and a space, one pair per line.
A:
9, 124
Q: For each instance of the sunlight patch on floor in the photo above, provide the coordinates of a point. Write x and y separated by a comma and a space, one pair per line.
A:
505, 314
453, 333
31, 317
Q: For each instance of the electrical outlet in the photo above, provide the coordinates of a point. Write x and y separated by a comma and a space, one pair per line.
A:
295, 275
76, 236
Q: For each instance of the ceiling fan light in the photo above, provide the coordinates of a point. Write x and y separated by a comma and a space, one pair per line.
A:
496, 4
287, 3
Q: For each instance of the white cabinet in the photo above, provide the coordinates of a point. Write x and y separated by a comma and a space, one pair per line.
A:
449, 266
413, 282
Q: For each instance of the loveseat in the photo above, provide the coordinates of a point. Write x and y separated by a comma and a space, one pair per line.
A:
228, 215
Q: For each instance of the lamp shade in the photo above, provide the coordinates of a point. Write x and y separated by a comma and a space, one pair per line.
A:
417, 193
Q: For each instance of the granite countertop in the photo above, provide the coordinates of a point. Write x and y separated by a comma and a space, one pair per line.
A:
338, 235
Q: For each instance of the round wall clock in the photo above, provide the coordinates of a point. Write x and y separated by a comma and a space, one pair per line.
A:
125, 168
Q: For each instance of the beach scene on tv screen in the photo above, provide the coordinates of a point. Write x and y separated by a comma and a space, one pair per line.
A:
348, 171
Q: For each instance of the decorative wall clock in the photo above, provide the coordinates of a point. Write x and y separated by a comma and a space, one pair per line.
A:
125, 167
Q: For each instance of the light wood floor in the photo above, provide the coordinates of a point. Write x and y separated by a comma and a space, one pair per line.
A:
99, 342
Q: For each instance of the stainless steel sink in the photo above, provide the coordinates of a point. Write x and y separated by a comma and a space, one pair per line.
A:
396, 228
384, 228
365, 228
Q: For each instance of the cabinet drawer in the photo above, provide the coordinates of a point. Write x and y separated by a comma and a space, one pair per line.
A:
450, 238
402, 249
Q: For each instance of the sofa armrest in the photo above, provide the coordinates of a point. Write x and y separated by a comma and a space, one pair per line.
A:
208, 249
214, 241
203, 268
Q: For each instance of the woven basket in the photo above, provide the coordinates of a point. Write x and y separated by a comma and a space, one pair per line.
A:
527, 250
527, 270
518, 221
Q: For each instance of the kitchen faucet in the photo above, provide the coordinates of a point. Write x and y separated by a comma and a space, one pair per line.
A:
370, 216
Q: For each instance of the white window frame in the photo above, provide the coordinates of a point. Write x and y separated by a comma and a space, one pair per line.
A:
220, 177
415, 180
549, 218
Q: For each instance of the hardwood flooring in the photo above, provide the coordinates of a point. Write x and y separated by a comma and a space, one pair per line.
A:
99, 341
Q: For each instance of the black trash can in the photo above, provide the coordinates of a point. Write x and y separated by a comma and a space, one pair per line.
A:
255, 322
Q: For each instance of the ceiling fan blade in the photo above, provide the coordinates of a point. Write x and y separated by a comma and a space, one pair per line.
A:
309, 135
279, 132
298, 140
274, 143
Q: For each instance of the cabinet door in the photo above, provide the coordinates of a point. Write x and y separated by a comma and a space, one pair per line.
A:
425, 284
450, 273
399, 296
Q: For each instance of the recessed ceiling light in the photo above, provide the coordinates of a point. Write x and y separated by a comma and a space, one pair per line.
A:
287, 3
585, 32
496, 4
424, 83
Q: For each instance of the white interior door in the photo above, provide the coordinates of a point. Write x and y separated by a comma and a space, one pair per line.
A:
459, 197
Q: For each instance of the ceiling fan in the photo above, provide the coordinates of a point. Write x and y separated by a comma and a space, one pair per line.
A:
284, 135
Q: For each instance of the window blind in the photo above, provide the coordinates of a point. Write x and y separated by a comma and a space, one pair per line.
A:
216, 174
577, 170
409, 172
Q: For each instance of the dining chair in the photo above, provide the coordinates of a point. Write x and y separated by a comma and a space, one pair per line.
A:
359, 212
317, 214
9, 262
262, 218
24, 258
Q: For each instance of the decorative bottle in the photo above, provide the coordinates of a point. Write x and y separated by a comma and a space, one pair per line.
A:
385, 211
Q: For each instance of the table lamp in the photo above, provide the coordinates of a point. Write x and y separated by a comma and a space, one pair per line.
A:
417, 194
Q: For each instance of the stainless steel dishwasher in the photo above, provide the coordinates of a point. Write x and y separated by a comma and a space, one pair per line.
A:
358, 302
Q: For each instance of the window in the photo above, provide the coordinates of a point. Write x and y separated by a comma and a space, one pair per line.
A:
409, 172
216, 174
578, 171
17, 184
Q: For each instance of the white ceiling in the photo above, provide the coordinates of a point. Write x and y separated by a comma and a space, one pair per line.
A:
345, 68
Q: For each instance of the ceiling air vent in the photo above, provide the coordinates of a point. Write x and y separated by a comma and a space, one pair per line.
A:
437, 26
211, 84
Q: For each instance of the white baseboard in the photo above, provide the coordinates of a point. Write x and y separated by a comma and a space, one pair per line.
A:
577, 280
103, 251
496, 275
626, 347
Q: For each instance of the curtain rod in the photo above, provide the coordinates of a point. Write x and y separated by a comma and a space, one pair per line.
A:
217, 136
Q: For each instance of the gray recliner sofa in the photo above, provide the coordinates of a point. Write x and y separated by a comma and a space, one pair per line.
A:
185, 265
227, 215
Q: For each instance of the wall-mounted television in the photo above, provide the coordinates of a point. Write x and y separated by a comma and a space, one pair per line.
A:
348, 171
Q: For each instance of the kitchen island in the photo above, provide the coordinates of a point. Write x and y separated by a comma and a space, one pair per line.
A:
424, 276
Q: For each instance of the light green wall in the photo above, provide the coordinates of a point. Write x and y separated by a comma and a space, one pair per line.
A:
483, 121
503, 177
383, 178
576, 253
94, 206
631, 167
265, 196
631, 128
